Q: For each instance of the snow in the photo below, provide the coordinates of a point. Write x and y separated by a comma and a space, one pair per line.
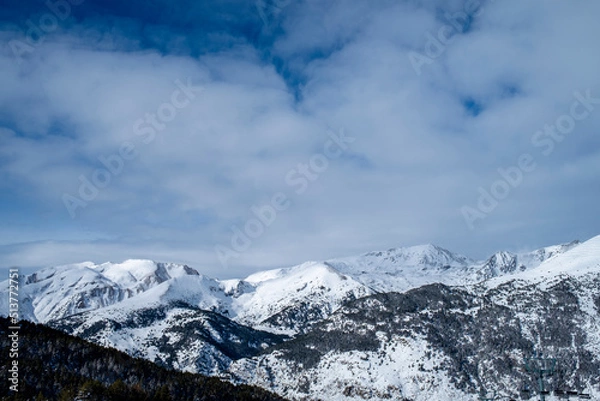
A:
582, 259
129, 272
64, 290
388, 373
403, 368
267, 275
400, 269
61, 291
117, 290
278, 289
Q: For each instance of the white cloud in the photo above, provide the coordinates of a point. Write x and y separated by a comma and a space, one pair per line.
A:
419, 155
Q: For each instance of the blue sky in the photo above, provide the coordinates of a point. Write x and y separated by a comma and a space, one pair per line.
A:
242, 135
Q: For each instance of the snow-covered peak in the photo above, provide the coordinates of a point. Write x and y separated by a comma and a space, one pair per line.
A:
141, 272
503, 263
400, 269
535, 258
194, 290
59, 291
421, 256
74, 270
578, 259
311, 284
308, 291
266, 275
498, 264
302, 272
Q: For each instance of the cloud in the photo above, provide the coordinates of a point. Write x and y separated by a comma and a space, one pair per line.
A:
271, 95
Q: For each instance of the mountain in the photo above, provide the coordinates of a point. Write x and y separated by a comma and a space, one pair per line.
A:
502, 263
56, 292
292, 299
287, 329
172, 326
53, 365
445, 343
286, 300
400, 269
185, 323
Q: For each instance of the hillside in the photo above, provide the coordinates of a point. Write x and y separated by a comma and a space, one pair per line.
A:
413, 323
57, 366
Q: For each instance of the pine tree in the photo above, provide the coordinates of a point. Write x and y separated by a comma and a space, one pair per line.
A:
66, 395
91, 390
162, 394
118, 391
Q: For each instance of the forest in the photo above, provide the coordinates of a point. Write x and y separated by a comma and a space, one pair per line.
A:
56, 366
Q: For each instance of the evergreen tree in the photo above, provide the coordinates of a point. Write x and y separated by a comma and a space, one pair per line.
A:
163, 394
60, 367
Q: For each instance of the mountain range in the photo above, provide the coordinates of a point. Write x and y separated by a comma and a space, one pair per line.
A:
407, 323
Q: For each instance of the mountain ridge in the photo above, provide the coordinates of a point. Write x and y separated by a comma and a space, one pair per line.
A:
448, 342
243, 329
60, 291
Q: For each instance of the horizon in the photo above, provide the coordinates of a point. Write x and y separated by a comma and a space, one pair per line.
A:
33, 269
236, 136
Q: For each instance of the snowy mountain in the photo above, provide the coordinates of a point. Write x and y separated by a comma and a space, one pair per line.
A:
400, 269
384, 322
193, 323
55, 292
171, 333
292, 299
448, 343
270, 298
502, 263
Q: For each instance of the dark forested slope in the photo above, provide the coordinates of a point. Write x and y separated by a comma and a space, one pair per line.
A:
55, 366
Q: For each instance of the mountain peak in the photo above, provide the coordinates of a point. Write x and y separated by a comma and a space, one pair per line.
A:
133, 271
75, 288
424, 256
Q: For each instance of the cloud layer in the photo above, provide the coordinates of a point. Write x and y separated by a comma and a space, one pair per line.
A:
207, 112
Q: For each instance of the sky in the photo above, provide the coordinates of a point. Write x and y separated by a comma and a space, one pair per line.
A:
237, 136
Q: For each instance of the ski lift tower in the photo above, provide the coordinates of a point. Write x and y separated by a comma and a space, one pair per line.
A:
541, 367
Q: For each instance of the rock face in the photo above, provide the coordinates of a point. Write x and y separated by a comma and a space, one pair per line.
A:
445, 343
439, 342
175, 335
418, 323
56, 292
503, 263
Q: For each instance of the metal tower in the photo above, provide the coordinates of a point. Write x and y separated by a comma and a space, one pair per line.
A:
541, 367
